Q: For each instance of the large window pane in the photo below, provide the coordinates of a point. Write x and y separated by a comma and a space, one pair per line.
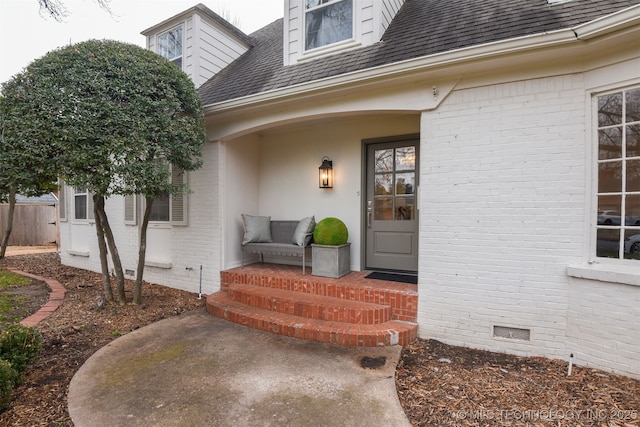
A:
328, 22
384, 161
383, 209
81, 206
160, 209
405, 158
632, 103
610, 177
632, 210
633, 175
609, 208
405, 183
633, 140
170, 45
608, 243
632, 244
610, 109
610, 143
405, 208
384, 184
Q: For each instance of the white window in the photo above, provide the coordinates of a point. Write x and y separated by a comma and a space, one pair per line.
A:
327, 22
170, 45
618, 188
173, 208
82, 203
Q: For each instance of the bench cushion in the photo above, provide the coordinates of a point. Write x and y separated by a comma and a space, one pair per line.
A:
257, 229
304, 231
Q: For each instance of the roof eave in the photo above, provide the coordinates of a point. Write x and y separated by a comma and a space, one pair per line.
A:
607, 24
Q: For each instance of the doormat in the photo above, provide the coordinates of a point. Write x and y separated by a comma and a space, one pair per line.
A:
393, 277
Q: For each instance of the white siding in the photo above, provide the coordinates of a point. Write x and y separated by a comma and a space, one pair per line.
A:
389, 8
216, 50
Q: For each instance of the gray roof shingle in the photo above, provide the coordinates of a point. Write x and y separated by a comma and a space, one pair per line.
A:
420, 28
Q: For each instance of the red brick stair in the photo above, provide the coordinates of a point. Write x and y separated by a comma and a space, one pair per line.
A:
350, 311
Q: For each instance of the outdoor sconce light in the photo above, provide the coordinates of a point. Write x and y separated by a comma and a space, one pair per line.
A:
325, 172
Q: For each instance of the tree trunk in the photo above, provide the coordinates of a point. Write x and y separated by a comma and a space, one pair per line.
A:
12, 209
115, 256
142, 252
98, 203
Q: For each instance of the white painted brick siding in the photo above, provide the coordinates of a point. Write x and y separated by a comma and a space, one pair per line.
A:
197, 244
503, 194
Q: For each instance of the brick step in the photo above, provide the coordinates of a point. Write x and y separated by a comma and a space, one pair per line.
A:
330, 332
309, 305
401, 297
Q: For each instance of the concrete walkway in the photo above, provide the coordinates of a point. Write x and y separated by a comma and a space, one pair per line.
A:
198, 370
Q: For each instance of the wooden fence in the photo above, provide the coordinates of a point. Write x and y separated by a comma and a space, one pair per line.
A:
33, 224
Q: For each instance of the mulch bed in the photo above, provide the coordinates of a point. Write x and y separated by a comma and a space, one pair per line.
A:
437, 384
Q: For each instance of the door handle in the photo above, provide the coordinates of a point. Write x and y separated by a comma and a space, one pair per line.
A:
369, 210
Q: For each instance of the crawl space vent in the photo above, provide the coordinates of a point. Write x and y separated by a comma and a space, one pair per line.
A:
512, 333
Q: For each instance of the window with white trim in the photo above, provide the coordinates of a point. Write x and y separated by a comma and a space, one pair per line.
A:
170, 45
82, 204
172, 208
327, 22
618, 184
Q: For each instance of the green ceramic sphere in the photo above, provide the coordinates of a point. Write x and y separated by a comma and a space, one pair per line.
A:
330, 231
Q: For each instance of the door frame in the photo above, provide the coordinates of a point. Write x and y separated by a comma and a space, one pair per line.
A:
363, 189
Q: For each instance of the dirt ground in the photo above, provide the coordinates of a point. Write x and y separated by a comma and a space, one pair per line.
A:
25, 300
438, 385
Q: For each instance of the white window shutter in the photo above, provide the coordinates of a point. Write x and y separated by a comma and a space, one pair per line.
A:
90, 205
62, 201
130, 209
179, 201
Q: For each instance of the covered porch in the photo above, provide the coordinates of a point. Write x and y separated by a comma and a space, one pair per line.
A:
352, 311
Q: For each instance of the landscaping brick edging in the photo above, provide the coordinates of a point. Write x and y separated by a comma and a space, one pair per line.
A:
55, 298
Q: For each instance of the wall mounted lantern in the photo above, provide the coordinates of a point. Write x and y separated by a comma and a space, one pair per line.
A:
325, 172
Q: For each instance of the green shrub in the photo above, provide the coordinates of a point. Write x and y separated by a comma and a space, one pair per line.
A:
330, 231
8, 377
19, 345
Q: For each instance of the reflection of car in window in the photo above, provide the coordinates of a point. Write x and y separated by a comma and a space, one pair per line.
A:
608, 218
632, 245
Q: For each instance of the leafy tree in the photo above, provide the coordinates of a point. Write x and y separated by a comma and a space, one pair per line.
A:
114, 117
25, 165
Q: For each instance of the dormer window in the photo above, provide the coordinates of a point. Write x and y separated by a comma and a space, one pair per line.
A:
170, 45
327, 22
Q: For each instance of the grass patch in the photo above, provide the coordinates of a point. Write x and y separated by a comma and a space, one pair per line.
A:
10, 311
9, 279
13, 308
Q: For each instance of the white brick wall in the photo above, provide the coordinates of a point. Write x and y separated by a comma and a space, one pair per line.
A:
503, 194
603, 325
189, 247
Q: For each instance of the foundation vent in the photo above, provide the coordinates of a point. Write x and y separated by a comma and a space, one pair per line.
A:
129, 272
512, 333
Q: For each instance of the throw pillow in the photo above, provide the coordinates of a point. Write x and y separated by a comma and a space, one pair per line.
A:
302, 235
257, 229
